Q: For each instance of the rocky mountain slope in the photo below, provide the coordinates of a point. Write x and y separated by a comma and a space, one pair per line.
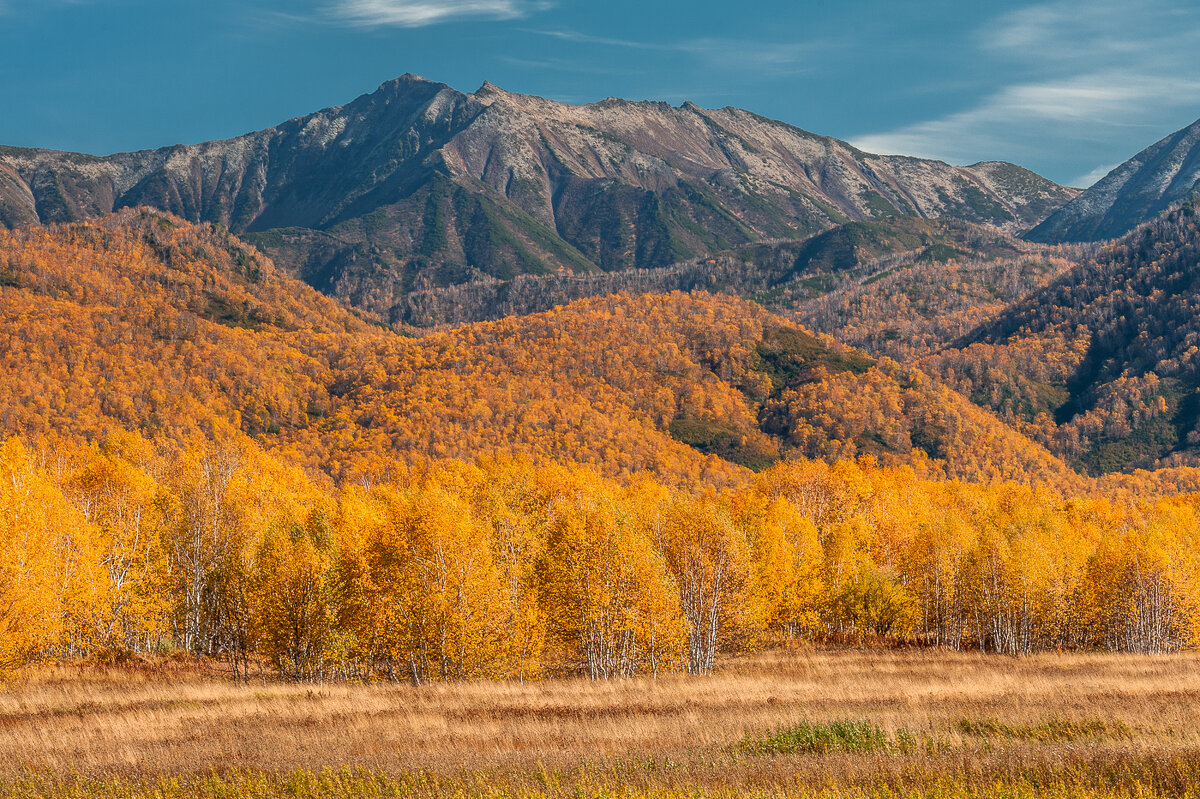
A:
1135, 192
419, 185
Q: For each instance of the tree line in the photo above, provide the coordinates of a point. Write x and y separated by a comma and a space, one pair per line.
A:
515, 569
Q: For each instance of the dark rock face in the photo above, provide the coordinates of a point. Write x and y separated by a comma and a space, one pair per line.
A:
1135, 192
418, 186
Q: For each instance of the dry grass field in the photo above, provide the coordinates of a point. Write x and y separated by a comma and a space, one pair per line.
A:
787, 722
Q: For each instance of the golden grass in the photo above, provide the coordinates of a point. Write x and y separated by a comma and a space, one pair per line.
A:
1103, 720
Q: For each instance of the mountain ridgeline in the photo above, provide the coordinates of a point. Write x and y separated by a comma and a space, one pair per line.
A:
783, 275
418, 186
1140, 189
637, 271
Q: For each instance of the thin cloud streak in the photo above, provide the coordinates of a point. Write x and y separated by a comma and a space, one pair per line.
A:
1019, 120
564, 65
585, 38
1093, 177
420, 13
1077, 33
8, 7
772, 59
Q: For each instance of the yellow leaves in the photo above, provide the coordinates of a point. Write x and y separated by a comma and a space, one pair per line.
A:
48, 569
174, 330
611, 603
294, 600
450, 570
709, 556
789, 566
434, 601
458, 588
875, 601
163, 330
119, 496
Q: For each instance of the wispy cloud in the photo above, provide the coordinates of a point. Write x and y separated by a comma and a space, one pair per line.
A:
566, 65
1086, 181
18, 6
419, 13
1018, 120
1088, 71
1083, 32
587, 38
766, 58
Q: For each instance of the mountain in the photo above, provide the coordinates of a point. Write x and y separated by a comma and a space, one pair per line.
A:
1102, 364
141, 321
419, 186
1135, 192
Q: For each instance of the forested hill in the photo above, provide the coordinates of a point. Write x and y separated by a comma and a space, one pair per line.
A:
1102, 364
418, 185
141, 321
780, 274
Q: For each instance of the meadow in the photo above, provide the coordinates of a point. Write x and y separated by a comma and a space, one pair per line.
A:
795, 721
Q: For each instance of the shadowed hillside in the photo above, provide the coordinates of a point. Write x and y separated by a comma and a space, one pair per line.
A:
1101, 364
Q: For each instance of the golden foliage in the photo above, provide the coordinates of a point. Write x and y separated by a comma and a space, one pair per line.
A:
142, 322
506, 568
214, 458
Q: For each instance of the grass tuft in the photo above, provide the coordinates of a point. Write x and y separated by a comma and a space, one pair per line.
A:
1049, 731
823, 738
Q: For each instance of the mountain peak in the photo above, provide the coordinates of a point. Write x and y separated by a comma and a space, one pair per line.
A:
489, 94
408, 82
411, 77
422, 179
489, 88
1138, 190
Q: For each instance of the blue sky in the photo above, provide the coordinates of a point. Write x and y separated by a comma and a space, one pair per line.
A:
1068, 88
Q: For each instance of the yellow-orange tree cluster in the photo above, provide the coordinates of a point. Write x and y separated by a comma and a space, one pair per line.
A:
453, 570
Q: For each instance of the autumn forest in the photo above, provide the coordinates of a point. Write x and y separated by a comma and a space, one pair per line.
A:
206, 456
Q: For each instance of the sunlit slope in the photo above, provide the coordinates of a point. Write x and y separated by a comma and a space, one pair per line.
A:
141, 321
